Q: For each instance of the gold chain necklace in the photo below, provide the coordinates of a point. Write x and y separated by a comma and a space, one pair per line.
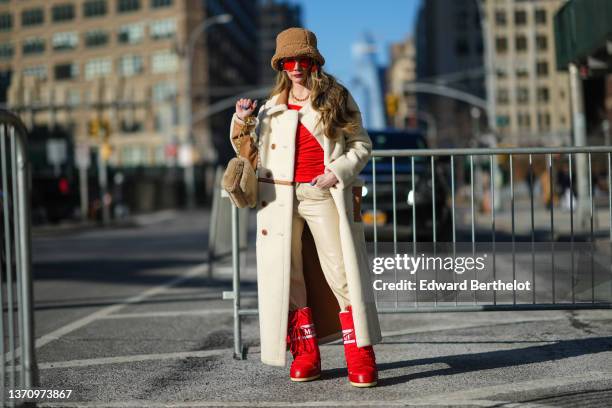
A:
297, 99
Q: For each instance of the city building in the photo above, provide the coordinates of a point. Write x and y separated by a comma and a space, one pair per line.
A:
449, 46
532, 98
274, 17
77, 64
367, 85
402, 103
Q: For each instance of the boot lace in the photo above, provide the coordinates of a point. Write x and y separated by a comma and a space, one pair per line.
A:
295, 336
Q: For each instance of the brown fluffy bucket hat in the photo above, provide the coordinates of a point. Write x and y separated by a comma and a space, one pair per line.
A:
294, 42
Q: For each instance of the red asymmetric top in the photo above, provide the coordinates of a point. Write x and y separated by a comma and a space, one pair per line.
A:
308, 154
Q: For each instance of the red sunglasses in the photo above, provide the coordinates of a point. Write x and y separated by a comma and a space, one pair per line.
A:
290, 64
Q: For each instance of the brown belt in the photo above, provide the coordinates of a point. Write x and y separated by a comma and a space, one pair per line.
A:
275, 181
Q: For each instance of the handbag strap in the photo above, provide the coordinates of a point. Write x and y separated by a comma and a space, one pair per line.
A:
249, 121
247, 128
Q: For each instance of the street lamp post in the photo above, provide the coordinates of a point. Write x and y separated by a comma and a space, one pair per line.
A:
193, 37
489, 65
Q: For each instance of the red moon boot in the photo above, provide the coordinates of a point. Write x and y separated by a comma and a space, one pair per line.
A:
302, 339
360, 361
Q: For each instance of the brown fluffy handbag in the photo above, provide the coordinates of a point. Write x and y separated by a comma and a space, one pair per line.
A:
240, 179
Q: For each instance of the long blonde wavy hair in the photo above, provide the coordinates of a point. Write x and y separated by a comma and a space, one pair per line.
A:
328, 97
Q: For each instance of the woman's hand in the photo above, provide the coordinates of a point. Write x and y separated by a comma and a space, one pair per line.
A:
245, 107
326, 180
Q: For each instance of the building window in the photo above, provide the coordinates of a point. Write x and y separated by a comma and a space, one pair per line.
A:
462, 18
32, 17
462, 47
131, 34
520, 17
38, 71
501, 44
502, 72
540, 16
524, 120
131, 126
127, 5
62, 12
542, 68
35, 45
502, 96
164, 61
164, 91
522, 94
503, 121
74, 97
543, 94
541, 43
6, 51
520, 43
65, 41
500, 18
544, 120
98, 67
94, 8
163, 29
66, 71
521, 68
161, 3
6, 21
95, 38
479, 46
130, 65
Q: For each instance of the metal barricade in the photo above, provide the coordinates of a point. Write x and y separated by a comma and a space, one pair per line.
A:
19, 370
580, 158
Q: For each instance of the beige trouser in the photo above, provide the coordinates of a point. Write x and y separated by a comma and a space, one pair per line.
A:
316, 206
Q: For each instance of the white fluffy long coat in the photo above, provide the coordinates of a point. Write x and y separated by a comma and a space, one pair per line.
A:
276, 132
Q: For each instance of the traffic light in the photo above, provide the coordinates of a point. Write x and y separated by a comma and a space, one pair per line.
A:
392, 101
96, 125
63, 186
105, 124
106, 150
93, 128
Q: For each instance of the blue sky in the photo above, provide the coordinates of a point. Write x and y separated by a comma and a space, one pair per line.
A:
340, 23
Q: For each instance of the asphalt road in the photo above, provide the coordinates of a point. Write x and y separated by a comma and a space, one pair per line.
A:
128, 317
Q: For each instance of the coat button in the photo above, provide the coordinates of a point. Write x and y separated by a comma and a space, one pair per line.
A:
264, 232
264, 203
273, 146
269, 174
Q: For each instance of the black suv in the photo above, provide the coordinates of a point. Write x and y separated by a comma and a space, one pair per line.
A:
404, 197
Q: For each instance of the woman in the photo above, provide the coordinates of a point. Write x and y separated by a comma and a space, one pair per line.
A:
311, 255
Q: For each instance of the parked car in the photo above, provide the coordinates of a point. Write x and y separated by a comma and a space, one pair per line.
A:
405, 197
